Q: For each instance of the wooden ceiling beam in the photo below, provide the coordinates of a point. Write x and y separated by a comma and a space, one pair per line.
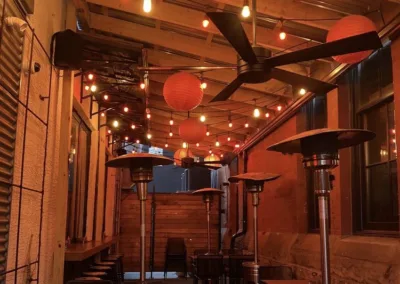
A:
190, 18
290, 9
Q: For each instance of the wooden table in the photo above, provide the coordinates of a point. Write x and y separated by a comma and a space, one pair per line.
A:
80, 251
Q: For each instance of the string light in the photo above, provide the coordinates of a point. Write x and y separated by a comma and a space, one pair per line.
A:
137, 141
282, 35
302, 91
149, 135
222, 155
393, 131
206, 21
279, 107
246, 125
90, 76
102, 114
230, 124
148, 116
202, 118
93, 88
267, 114
229, 137
126, 138
208, 132
142, 85
246, 9
203, 85
166, 145
217, 144
210, 151
184, 145
105, 97
147, 6
237, 145
133, 126
115, 123
109, 131
197, 144
126, 109
87, 88
256, 112
171, 121
170, 132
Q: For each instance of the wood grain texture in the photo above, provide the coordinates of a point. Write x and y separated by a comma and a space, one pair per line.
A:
177, 216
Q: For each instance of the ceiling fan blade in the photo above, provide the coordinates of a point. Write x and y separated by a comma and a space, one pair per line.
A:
231, 27
300, 81
363, 42
228, 91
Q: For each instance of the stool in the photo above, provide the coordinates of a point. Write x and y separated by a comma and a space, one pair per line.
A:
320, 149
98, 274
117, 258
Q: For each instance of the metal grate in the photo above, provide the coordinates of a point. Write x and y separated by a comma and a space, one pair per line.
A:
10, 72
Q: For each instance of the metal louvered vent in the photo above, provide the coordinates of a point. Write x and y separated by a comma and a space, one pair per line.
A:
11, 48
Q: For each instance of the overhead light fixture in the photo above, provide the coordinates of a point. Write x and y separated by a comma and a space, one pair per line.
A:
133, 126
206, 21
246, 9
105, 97
126, 109
302, 91
90, 76
115, 123
142, 85
147, 6
93, 88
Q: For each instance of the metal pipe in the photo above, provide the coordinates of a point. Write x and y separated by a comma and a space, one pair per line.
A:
142, 195
254, 8
208, 225
255, 224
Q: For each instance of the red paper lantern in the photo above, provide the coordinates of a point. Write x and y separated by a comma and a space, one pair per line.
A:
212, 158
351, 26
182, 153
182, 91
192, 130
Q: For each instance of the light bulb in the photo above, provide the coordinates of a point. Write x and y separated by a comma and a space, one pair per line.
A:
394, 140
171, 122
210, 151
197, 144
229, 138
87, 88
302, 91
203, 85
137, 141
126, 109
93, 88
267, 114
109, 131
147, 6
133, 151
282, 35
237, 145
166, 145
246, 125
222, 155
102, 114
246, 11
105, 97
393, 131
256, 112
217, 144
184, 145
148, 116
171, 134
230, 124
90, 76
279, 108
206, 22
149, 136
115, 123
126, 138
202, 118
133, 126
142, 86
208, 133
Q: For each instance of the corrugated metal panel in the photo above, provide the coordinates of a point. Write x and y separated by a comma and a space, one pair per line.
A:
10, 72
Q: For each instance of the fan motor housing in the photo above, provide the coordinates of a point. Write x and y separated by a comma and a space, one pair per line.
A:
254, 73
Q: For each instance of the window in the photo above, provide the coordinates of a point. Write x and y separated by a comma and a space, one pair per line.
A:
375, 196
315, 117
78, 179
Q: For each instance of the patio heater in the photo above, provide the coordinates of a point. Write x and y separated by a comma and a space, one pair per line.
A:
141, 169
254, 184
208, 196
320, 154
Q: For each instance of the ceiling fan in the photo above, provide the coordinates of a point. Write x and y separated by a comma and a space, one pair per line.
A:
255, 64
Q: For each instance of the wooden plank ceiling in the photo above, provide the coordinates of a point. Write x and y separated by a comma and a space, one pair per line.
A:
174, 36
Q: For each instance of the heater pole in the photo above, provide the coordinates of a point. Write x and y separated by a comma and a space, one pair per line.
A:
254, 17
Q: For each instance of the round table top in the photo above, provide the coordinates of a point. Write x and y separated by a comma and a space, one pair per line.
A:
259, 176
136, 160
319, 140
208, 191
